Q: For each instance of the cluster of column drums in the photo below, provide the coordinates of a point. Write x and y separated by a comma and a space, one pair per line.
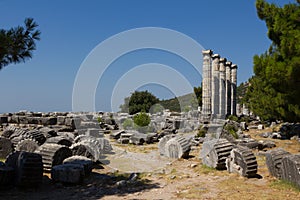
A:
219, 83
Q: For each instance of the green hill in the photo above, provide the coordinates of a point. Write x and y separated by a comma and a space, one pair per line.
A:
187, 101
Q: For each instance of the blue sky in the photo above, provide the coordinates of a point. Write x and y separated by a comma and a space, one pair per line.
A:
72, 29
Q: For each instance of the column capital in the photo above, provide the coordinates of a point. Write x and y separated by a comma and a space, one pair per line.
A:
207, 52
223, 60
234, 66
228, 64
215, 56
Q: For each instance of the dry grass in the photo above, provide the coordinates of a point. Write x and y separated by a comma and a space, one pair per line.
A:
291, 146
242, 189
138, 148
214, 184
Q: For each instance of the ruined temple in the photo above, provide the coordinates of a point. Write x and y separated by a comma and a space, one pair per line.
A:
218, 87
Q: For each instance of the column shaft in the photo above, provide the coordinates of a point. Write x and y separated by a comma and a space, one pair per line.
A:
233, 88
215, 85
222, 89
228, 87
206, 83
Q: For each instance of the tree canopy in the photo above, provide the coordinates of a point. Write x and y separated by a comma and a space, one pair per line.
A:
17, 44
141, 101
274, 89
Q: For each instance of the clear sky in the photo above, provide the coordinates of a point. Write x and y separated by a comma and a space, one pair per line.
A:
71, 29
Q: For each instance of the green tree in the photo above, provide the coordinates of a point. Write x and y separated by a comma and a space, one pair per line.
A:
198, 93
156, 108
17, 44
125, 107
241, 92
141, 101
274, 89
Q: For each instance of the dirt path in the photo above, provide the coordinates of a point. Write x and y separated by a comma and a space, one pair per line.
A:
130, 162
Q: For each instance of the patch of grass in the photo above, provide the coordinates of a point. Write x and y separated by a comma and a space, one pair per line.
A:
236, 187
173, 171
192, 191
137, 148
284, 185
204, 169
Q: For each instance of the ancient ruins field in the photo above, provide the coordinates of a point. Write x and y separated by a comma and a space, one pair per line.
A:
172, 179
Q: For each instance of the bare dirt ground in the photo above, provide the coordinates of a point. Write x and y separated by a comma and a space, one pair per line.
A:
160, 178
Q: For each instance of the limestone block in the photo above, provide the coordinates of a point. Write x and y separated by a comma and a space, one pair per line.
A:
6, 175
177, 147
215, 152
274, 161
81, 160
68, 173
291, 169
242, 161
6, 147
53, 154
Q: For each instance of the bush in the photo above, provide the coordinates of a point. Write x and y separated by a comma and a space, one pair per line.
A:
128, 124
231, 129
99, 119
202, 130
245, 119
156, 108
201, 133
233, 118
144, 129
142, 119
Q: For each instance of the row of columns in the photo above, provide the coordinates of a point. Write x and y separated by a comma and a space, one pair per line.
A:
218, 86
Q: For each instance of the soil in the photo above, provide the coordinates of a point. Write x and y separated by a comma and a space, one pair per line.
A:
162, 178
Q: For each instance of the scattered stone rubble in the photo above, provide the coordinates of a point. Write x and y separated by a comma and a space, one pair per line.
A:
59, 143
285, 132
67, 144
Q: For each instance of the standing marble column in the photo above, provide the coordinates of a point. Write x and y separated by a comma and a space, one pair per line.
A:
206, 84
215, 85
228, 87
233, 88
222, 89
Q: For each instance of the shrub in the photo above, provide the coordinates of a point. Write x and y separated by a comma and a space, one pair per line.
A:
156, 108
233, 118
128, 124
144, 129
142, 119
245, 119
202, 131
99, 119
232, 130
